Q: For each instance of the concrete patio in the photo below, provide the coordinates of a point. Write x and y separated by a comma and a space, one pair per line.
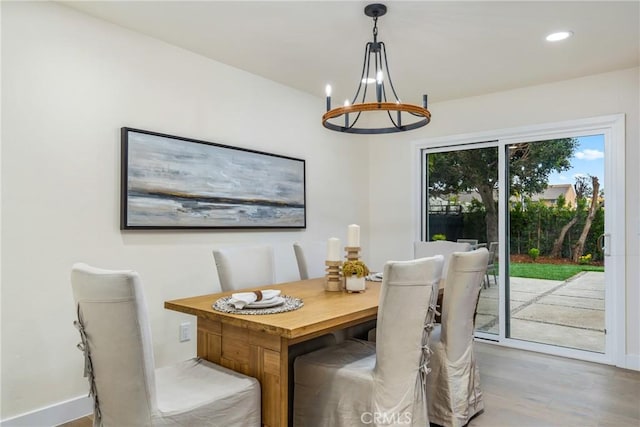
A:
565, 313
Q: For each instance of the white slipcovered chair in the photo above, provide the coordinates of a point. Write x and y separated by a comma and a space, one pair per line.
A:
126, 388
430, 249
244, 267
453, 385
310, 258
439, 247
359, 383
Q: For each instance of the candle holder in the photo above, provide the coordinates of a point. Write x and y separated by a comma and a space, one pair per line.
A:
333, 283
353, 253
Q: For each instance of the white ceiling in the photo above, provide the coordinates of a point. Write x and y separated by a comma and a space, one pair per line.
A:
448, 49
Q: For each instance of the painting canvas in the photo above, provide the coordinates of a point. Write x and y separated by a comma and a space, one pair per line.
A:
175, 182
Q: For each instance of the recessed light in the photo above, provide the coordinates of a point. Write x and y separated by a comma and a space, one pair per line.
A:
560, 35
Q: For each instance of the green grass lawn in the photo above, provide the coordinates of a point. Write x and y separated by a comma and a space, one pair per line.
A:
549, 271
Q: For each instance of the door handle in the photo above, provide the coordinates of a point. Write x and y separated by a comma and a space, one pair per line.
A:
604, 244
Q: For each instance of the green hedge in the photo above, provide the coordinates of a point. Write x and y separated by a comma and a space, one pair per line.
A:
532, 225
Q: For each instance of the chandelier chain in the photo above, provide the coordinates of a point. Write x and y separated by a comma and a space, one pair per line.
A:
375, 28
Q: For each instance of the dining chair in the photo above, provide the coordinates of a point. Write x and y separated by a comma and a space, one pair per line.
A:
310, 258
439, 247
350, 383
472, 242
492, 267
242, 267
429, 249
453, 385
126, 387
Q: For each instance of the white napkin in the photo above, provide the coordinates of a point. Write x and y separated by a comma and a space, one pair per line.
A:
374, 277
241, 299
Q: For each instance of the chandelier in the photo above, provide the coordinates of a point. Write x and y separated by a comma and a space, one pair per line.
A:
386, 98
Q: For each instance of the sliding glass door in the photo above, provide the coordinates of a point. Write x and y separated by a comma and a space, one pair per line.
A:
555, 278
461, 195
556, 216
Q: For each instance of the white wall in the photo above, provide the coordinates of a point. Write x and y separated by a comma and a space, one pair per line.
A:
391, 180
69, 82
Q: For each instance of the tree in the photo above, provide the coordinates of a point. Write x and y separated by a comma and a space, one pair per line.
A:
558, 243
530, 164
578, 248
583, 188
556, 252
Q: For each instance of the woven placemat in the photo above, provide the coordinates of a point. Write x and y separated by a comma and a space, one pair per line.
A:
290, 304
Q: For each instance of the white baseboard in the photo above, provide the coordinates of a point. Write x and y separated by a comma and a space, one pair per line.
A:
53, 415
632, 361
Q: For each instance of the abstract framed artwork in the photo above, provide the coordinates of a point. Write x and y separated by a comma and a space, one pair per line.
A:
170, 182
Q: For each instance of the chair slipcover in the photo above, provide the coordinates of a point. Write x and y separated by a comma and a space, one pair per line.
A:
127, 390
310, 258
439, 247
358, 383
453, 385
244, 267
429, 249
250, 266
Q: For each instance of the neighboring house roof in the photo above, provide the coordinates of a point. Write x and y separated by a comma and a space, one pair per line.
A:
554, 191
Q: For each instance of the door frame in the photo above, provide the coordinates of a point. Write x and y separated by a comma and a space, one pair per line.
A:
613, 129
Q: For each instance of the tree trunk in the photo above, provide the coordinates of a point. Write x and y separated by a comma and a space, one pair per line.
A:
556, 252
539, 230
491, 209
578, 248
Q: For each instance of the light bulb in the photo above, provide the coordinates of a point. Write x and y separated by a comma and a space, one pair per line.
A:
327, 90
379, 77
346, 103
560, 35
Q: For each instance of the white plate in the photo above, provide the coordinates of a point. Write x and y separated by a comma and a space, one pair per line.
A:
272, 302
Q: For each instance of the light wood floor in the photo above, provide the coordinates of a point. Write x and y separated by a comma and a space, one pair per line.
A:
523, 389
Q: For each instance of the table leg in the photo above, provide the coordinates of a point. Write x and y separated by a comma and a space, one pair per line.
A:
253, 353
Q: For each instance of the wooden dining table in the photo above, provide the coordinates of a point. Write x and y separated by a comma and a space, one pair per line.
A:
258, 345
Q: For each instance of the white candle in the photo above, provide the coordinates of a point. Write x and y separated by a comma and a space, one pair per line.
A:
353, 236
333, 249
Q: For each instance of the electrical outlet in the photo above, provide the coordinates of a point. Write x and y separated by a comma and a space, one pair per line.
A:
185, 331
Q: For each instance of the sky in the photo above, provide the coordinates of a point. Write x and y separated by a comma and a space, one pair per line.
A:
588, 159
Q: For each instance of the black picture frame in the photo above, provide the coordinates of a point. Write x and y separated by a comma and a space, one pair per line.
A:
172, 182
